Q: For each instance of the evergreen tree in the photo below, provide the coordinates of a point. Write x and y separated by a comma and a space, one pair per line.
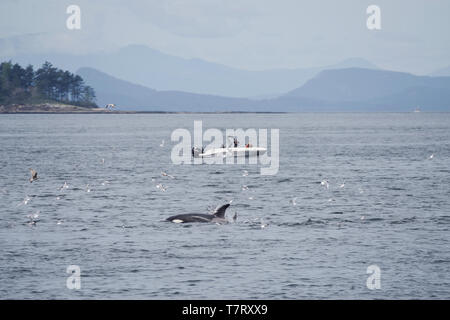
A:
19, 85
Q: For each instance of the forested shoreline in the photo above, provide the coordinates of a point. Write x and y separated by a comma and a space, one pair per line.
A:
47, 84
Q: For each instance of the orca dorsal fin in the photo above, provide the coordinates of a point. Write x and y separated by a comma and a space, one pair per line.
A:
220, 212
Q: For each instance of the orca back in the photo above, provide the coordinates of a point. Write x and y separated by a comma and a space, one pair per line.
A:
183, 218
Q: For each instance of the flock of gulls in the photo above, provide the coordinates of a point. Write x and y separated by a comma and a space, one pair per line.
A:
34, 217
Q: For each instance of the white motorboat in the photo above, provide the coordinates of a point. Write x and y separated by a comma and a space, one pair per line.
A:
247, 151
234, 152
231, 150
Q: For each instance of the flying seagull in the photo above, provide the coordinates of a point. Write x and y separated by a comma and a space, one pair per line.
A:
293, 201
33, 175
161, 187
165, 174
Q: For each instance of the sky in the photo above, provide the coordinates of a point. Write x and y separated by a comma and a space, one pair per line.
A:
245, 34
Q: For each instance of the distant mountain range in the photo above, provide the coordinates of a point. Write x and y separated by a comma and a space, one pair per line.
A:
362, 89
349, 89
134, 97
154, 69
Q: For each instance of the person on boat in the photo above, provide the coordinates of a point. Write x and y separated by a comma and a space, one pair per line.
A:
195, 150
236, 142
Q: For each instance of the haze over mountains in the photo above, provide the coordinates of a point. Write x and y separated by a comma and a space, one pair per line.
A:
443, 72
134, 97
154, 69
350, 89
139, 78
377, 89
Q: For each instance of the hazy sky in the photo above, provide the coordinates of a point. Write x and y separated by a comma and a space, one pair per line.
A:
249, 34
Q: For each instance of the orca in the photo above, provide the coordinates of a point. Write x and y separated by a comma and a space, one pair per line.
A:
217, 217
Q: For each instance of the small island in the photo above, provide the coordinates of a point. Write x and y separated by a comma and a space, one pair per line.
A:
46, 90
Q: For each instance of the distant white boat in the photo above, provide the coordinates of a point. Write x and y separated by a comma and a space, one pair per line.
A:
417, 109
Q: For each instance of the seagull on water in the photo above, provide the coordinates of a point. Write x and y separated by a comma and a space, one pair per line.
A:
64, 186
25, 201
325, 183
263, 225
33, 218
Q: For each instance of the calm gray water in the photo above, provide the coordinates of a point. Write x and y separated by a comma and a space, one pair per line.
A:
393, 212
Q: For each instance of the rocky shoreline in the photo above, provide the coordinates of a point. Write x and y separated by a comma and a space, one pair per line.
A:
49, 108
55, 108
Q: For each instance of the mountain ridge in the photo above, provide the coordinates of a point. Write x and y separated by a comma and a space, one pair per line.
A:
351, 89
154, 69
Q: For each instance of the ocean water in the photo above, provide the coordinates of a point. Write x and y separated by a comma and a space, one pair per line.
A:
387, 204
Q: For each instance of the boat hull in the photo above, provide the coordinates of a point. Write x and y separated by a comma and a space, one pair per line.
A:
232, 152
